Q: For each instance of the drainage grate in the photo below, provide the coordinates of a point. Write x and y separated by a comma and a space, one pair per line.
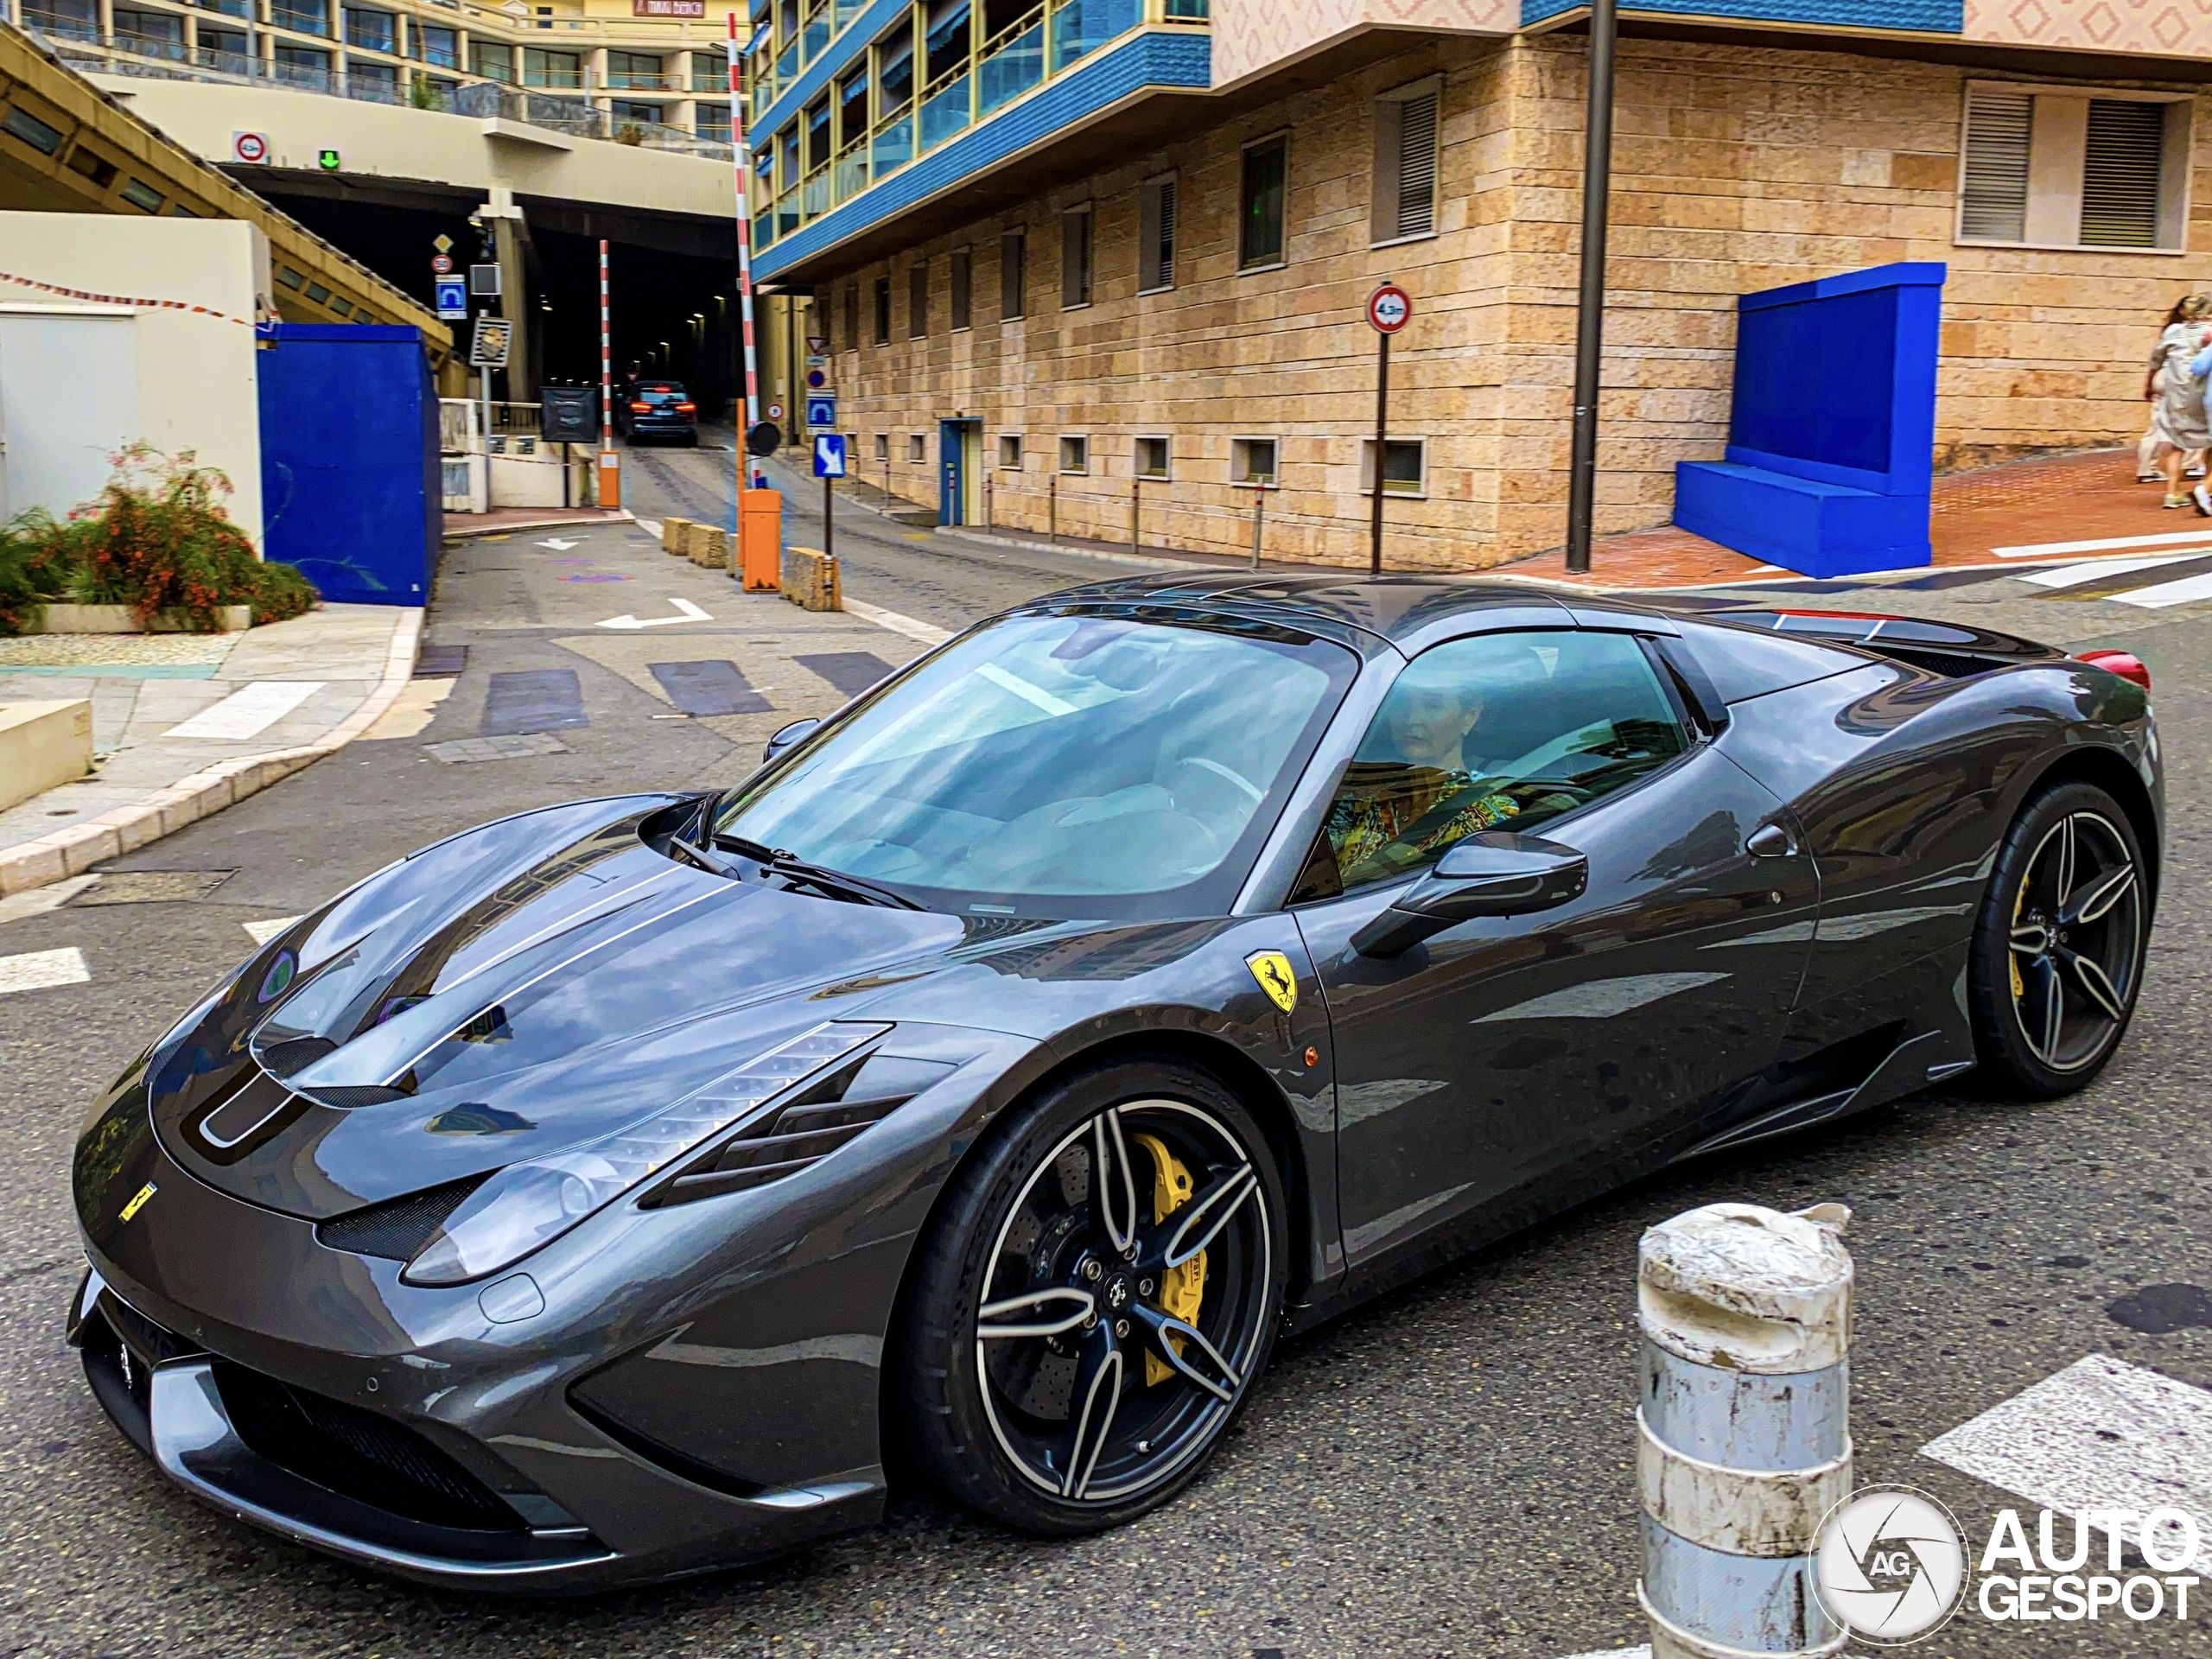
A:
150, 887
495, 748
441, 662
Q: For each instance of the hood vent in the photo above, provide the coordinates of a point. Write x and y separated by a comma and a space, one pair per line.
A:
397, 1228
803, 1131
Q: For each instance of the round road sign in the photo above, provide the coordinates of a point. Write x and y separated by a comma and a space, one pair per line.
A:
441, 262
250, 146
1389, 309
775, 411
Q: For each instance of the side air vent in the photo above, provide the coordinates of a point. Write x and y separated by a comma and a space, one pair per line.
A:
346, 1095
397, 1228
293, 1054
803, 1131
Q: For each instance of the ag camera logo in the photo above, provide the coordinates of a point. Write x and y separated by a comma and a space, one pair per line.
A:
1890, 1565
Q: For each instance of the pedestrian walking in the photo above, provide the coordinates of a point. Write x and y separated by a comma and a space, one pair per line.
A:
2179, 432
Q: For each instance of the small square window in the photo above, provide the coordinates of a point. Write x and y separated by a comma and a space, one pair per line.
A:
1010, 451
1151, 457
139, 193
917, 447
1075, 454
1405, 467
883, 446
1252, 461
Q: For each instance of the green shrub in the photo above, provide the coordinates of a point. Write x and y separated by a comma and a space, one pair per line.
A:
157, 538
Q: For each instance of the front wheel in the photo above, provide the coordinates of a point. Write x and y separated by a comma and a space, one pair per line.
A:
2058, 949
1096, 1300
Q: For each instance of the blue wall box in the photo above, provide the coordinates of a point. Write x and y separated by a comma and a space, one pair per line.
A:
1831, 428
349, 459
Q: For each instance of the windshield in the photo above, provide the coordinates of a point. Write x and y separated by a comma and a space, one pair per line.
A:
1060, 765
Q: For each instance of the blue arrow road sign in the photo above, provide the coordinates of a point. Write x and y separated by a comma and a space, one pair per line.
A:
821, 411
829, 454
453, 297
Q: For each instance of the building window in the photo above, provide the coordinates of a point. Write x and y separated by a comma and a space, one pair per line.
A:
1013, 275
308, 16
1075, 257
436, 45
917, 300
917, 447
378, 83
883, 446
852, 106
1405, 163
1075, 454
633, 71
625, 113
1266, 168
492, 60
712, 121
1405, 467
883, 310
852, 334
2068, 168
1010, 451
150, 33
1252, 461
560, 71
817, 136
1150, 458
371, 30
301, 66
962, 282
1156, 234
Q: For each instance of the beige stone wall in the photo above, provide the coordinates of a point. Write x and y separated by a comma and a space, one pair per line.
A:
1737, 169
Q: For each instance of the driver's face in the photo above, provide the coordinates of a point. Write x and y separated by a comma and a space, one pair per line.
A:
1431, 724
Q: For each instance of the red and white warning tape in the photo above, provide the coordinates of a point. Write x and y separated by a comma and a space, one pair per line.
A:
122, 299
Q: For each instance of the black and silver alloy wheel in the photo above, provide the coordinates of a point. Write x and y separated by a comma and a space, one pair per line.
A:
1114, 1288
2070, 887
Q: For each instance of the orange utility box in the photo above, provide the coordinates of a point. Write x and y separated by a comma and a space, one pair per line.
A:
760, 537
610, 478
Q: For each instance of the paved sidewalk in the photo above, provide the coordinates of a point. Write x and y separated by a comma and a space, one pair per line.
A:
184, 724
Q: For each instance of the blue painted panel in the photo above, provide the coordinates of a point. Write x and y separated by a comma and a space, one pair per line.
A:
349, 459
1181, 60
1920, 17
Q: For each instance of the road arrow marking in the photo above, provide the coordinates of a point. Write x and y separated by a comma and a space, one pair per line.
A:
560, 546
690, 613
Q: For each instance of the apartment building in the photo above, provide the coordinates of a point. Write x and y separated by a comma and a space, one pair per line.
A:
647, 69
1073, 254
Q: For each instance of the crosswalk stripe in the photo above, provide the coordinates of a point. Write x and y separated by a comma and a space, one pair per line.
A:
2074, 575
247, 711
2111, 544
2099, 1434
34, 970
2189, 588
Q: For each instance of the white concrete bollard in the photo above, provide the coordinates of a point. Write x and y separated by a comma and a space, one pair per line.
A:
1744, 1431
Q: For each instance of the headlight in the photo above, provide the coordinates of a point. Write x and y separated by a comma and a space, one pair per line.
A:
529, 1205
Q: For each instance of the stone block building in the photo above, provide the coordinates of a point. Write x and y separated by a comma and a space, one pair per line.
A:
1047, 287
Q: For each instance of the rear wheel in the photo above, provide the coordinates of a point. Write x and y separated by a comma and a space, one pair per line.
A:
2058, 949
1096, 1300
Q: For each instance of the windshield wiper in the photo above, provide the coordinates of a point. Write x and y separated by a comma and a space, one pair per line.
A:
831, 883
713, 863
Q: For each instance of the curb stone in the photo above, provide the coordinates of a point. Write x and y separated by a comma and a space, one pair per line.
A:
122, 829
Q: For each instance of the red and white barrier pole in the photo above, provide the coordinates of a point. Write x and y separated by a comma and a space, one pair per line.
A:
610, 459
742, 159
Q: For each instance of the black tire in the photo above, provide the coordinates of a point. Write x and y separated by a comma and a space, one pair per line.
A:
2059, 948
1018, 1217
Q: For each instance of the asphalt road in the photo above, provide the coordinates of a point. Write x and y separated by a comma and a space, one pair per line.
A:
1448, 1471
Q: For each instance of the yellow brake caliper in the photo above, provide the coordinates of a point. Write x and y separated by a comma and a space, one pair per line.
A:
1181, 1289
2012, 956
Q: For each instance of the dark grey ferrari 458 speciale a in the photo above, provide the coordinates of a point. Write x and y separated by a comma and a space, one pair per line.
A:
603, 1193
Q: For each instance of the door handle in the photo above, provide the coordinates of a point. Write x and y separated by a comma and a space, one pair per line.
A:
1771, 842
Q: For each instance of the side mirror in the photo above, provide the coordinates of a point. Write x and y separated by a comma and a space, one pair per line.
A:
787, 736
1492, 874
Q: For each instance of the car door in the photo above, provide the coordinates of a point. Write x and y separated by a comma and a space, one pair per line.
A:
1509, 1060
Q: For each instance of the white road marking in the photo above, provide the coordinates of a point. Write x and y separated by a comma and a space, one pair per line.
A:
248, 711
2099, 1434
39, 901
1641, 1650
2111, 544
558, 545
651, 526
35, 971
927, 633
2073, 575
690, 612
262, 932
2186, 591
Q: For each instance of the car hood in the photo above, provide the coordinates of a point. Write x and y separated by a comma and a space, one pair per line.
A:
533, 983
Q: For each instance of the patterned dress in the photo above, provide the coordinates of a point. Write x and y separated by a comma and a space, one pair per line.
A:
1383, 825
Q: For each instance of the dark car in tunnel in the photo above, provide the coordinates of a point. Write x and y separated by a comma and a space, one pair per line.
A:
658, 410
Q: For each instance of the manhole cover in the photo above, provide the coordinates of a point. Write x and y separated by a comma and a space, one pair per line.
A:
151, 887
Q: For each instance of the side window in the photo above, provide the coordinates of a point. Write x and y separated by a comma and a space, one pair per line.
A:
1502, 731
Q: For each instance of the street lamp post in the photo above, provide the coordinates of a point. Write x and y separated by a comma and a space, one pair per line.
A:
1590, 304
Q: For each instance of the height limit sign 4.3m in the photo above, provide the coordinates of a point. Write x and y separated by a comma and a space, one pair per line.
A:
1389, 309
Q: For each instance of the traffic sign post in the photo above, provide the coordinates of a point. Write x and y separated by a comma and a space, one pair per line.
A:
1389, 309
829, 466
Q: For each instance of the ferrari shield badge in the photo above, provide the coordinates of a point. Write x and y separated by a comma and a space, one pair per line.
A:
137, 1202
1273, 970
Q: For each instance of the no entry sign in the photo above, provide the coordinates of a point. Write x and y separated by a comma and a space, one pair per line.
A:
1389, 309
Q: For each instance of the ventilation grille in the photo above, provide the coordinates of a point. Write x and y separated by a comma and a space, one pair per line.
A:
358, 1454
294, 1055
801, 1132
2120, 174
398, 1228
347, 1095
1995, 205
1417, 165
